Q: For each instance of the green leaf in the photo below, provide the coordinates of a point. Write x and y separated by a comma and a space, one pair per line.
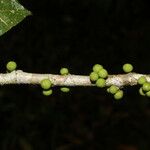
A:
11, 13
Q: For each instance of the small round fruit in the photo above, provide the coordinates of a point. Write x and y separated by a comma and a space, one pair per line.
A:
65, 89
118, 95
108, 90
101, 83
97, 67
11, 66
48, 92
46, 84
93, 76
103, 73
148, 94
127, 68
142, 80
146, 87
141, 92
64, 71
113, 89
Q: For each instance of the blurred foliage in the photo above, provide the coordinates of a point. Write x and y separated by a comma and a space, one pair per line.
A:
76, 34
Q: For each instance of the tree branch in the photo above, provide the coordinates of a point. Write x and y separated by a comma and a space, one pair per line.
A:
20, 77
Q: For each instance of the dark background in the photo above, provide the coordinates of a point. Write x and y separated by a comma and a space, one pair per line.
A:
76, 34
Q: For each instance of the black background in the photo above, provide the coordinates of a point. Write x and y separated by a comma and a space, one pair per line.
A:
76, 34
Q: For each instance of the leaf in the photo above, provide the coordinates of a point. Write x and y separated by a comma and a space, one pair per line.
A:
11, 13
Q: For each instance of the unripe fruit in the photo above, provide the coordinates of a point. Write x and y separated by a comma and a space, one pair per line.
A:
108, 90
113, 89
142, 80
101, 82
47, 93
46, 84
97, 67
64, 89
11, 66
141, 92
93, 76
127, 68
148, 94
64, 71
103, 73
146, 87
118, 95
